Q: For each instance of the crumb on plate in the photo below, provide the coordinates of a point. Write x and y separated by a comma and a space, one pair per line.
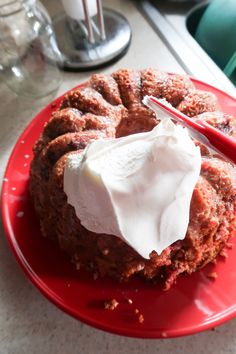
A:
141, 318
111, 304
212, 275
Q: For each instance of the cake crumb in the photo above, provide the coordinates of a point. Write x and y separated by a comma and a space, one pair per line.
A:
140, 315
53, 105
212, 275
95, 276
224, 254
111, 304
91, 265
140, 267
229, 245
105, 252
77, 266
130, 301
140, 318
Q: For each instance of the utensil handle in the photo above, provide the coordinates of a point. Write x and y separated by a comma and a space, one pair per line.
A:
217, 140
88, 22
101, 20
220, 141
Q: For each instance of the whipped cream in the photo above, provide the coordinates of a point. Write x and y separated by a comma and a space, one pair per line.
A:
138, 187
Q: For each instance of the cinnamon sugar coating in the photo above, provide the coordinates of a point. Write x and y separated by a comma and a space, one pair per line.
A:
107, 86
111, 106
197, 102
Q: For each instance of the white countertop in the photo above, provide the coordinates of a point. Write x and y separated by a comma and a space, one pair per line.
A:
28, 322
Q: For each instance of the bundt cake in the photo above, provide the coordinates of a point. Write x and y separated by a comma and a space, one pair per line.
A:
110, 106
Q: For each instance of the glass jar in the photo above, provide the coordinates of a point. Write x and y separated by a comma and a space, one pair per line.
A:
29, 56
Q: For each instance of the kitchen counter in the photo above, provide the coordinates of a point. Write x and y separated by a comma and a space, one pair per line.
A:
28, 322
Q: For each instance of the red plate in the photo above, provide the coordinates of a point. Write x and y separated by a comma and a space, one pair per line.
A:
194, 304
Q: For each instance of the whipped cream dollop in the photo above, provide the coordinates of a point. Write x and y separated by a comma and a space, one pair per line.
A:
138, 187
